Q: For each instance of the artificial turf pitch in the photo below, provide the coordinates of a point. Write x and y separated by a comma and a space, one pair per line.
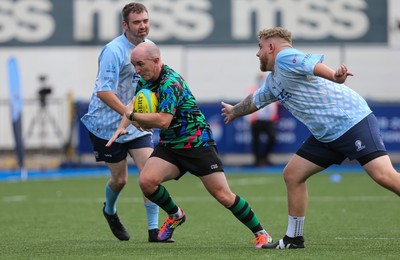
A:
349, 218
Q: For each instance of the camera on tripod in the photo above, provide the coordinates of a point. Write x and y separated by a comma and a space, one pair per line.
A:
44, 90
43, 120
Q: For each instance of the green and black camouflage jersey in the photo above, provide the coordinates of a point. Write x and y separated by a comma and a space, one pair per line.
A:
188, 127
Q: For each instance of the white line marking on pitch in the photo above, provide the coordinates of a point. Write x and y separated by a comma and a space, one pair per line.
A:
208, 198
16, 198
249, 181
367, 238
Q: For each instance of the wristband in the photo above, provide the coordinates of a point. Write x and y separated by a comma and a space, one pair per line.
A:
131, 116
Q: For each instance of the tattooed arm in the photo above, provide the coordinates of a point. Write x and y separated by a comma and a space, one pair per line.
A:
242, 108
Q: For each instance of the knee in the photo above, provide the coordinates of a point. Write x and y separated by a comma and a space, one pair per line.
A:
291, 176
143, 183
385, 179
287, 177
147, 185
225, 198
118, 183
380, 179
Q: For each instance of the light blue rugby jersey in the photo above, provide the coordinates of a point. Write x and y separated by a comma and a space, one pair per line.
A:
328, 109
115, 73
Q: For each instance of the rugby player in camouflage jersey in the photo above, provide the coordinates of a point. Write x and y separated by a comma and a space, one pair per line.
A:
186, 145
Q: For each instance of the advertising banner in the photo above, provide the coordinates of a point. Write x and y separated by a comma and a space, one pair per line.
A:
236, 137
16, 108
95, 22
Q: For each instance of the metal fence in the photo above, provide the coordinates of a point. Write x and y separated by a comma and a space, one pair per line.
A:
43, 126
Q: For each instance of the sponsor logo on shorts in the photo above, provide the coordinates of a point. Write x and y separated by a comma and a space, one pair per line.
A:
107, 155
214, 166
359, 145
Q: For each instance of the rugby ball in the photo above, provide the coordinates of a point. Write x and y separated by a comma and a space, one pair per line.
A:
145, 102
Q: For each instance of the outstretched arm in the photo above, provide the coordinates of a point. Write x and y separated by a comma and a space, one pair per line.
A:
338, 76
243, 108
121, 130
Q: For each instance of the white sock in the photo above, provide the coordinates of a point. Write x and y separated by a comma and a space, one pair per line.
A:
295, 226
176, 215
261, 232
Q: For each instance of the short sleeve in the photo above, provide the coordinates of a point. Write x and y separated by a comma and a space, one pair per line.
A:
263, 96
297, 62
107, 77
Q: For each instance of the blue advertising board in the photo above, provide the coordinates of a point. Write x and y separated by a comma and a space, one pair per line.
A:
236, 137
388, 116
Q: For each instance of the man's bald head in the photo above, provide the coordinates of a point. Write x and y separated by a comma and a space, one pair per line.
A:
146, 50
147, 61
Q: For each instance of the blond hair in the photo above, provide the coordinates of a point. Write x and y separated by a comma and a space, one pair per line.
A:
278, 32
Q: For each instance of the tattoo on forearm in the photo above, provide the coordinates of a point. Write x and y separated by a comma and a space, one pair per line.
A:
244, 107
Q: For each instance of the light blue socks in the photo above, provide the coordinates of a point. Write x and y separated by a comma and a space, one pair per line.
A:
152, 214
151, 208
111, 201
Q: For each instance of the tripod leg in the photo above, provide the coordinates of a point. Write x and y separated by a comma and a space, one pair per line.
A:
32, 125
55, 127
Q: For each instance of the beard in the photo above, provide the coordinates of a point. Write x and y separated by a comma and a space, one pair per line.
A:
263, 67
137, 38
